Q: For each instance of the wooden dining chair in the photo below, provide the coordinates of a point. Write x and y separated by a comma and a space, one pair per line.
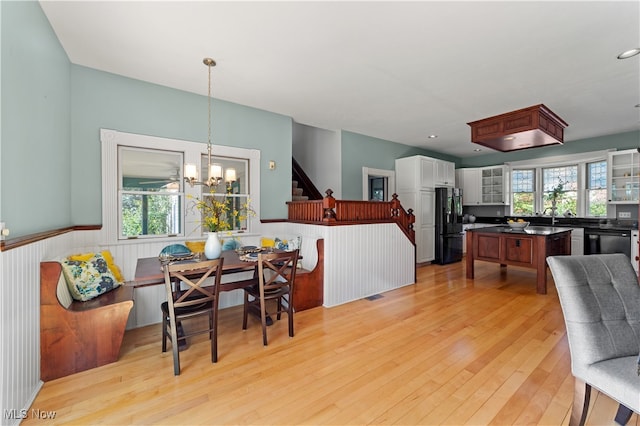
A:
275, 279
195, 300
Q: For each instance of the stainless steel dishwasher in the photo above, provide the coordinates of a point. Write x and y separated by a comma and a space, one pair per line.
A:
604, 240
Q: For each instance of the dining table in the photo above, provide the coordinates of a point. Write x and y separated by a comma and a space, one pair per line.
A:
149, 270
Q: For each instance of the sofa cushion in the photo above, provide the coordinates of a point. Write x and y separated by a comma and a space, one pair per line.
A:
89, 278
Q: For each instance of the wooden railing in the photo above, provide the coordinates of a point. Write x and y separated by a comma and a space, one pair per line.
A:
330, 211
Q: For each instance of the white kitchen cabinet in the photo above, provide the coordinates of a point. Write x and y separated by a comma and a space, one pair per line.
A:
484, 185
424, 173
634, 250
444, 174
414, 173
423, 204
494, 185
469, 181
577, 241
623, 173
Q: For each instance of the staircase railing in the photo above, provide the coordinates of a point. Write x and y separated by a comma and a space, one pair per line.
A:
329, 211
308, 188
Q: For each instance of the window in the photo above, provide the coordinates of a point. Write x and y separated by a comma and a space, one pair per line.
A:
579, 182
596, 189
232, 190
150, 189
144, 195
562, 181
523, 184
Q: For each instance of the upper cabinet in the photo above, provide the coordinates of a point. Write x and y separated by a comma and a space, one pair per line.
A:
444, 173
484, 185
419, 172
624, 177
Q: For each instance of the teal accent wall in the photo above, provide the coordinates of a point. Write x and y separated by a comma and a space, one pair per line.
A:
360, 151
619, 141
104, 100
35, 122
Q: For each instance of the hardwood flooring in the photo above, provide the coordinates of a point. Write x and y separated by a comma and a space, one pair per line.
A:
446, 350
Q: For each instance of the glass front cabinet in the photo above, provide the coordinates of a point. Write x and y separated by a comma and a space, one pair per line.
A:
624, 177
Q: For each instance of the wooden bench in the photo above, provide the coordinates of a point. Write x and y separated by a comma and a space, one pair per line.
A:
77, 336
308, 291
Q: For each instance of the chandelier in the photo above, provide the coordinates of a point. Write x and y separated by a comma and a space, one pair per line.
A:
215, 172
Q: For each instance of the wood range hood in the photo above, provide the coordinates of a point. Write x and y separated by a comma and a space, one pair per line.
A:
525, 128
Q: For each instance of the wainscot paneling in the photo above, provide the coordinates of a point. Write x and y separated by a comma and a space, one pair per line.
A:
20, 315
360, 260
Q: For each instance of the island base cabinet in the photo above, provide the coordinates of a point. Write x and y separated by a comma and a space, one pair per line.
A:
527, 250
519, 250
488, 247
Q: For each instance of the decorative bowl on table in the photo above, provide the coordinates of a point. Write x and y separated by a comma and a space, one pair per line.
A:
517, 225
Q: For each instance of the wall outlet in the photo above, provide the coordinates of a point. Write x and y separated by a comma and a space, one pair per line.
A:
624, 215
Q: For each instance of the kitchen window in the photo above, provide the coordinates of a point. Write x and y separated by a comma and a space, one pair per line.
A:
564, 179
596, 198
583, 191
524, 194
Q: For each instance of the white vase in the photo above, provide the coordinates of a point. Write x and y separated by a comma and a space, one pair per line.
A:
212, 247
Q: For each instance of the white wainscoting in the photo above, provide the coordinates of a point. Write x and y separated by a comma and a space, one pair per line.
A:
20, 316
360, 260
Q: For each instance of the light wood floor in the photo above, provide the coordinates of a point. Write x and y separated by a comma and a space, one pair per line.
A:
446, 350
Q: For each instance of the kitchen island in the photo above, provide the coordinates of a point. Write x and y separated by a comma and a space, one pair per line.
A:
528, 247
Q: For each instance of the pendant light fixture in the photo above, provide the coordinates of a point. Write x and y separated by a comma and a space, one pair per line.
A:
214, 170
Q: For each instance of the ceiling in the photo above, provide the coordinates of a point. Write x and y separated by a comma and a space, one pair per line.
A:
399, 71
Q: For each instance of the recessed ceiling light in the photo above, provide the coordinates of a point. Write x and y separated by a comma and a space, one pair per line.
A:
432, 136
629, 53
477, 150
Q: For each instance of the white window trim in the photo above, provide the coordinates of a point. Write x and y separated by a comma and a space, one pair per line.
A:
111, 139
391, 181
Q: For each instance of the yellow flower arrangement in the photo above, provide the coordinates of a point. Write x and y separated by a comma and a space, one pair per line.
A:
221, 212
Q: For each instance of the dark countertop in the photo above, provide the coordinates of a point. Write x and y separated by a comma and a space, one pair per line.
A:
529, 230
567, 222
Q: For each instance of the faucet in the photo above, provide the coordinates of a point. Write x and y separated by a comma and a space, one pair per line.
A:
553, 216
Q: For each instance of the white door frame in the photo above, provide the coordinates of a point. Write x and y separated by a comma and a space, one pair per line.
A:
370, 172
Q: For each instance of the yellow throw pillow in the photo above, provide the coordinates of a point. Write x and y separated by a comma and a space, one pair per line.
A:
195, 246
267, 242
106, 254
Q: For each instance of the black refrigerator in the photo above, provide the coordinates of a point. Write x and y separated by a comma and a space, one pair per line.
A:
448, 218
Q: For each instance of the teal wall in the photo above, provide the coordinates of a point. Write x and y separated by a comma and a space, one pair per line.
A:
52, 111
35, 122
360, 151
103, 100
627, 140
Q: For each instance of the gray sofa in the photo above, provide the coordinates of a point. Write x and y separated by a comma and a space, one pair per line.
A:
600, 299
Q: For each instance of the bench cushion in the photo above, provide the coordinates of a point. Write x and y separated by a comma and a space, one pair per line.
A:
89, 278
